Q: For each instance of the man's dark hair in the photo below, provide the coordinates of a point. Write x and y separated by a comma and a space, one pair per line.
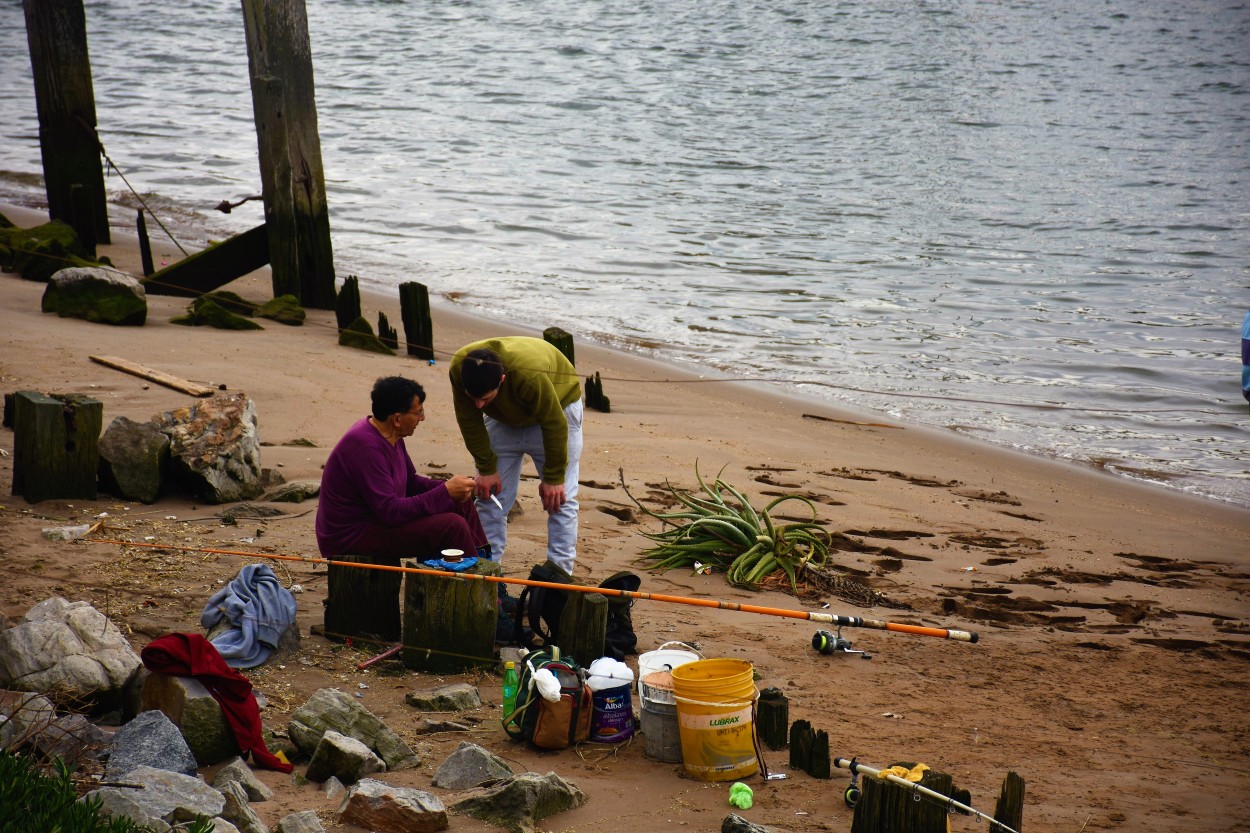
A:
394, 395
481, 372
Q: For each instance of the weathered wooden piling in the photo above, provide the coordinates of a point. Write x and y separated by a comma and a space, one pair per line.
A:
145, 245
347, 302
450, 622
56, 452
562, 341
73, 172
884, 807
361, 602
292, 180
583, 629
809, 750
386, 333
1010, 807
414, 309
772, 718
594, 395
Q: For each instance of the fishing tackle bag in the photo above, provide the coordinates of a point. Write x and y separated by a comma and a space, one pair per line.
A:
538, 610
551, 724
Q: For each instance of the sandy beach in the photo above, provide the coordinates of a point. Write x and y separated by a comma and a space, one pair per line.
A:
1113, 617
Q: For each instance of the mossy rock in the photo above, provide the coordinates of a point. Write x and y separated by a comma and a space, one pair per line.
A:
103, 296
5, 222
360, 335
40, 252
232, 302
285, 309
204, 311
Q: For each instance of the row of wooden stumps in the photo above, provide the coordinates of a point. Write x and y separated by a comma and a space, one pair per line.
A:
446, 623
882, 807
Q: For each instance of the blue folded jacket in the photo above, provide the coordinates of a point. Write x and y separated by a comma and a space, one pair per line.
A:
258, 608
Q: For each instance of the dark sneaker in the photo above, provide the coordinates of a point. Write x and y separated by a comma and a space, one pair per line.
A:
507, 604
505, 629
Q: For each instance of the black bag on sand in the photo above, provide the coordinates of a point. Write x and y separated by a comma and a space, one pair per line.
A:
538, 610
545, 723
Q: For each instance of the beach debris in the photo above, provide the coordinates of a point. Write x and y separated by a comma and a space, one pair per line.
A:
721, 529
741, 796
66, 533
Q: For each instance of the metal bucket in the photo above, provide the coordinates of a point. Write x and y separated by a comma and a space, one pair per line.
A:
661, 733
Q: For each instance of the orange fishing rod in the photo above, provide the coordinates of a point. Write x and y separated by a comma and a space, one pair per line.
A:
810, 616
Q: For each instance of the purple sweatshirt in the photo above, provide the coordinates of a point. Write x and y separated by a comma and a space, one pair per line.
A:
368, 482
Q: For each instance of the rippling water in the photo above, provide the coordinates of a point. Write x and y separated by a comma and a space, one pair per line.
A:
921, 207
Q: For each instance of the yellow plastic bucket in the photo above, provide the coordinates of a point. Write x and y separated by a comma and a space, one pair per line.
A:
714, 703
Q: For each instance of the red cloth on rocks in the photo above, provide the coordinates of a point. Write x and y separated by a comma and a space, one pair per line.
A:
191, 655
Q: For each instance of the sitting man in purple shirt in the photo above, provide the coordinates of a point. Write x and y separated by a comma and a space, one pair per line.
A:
374, 503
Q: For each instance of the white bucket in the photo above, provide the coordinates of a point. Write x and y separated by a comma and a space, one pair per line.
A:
664, 658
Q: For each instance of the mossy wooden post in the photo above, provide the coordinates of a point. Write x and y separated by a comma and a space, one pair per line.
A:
56, 445
414, 310
449, 621
594, 394
583, 627
56, 31
884, 807
562, 342
347, 303
292, 180
1010, 807
361, 602
773, 718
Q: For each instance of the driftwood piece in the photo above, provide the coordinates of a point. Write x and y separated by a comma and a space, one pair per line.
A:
450, 621
161, 378
56, 445
213, 267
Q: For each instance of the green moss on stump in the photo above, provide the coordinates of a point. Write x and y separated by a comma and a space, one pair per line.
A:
204, 311
360, 335
285, 309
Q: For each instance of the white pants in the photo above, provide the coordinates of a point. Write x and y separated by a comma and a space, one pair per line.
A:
511, 445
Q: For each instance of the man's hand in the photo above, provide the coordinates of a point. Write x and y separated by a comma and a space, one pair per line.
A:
552, 496
460, 487
486, 485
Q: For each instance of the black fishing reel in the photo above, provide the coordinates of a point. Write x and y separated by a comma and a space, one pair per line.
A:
835, 643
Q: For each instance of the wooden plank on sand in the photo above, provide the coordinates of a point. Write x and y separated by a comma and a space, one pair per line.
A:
154, 375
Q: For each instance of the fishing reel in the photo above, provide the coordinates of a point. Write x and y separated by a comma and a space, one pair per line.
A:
851, 794
835, 643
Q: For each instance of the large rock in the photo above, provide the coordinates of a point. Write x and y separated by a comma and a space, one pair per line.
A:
192, 708
165, 795
331, 709
215, 448
344, 758
453, 697
516, 804
238, 772
70, 651
23, 716
151, 740
73, 739
470, 766
238, 812
375, 805
305, 821
134, 458
734, 823
105, 296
